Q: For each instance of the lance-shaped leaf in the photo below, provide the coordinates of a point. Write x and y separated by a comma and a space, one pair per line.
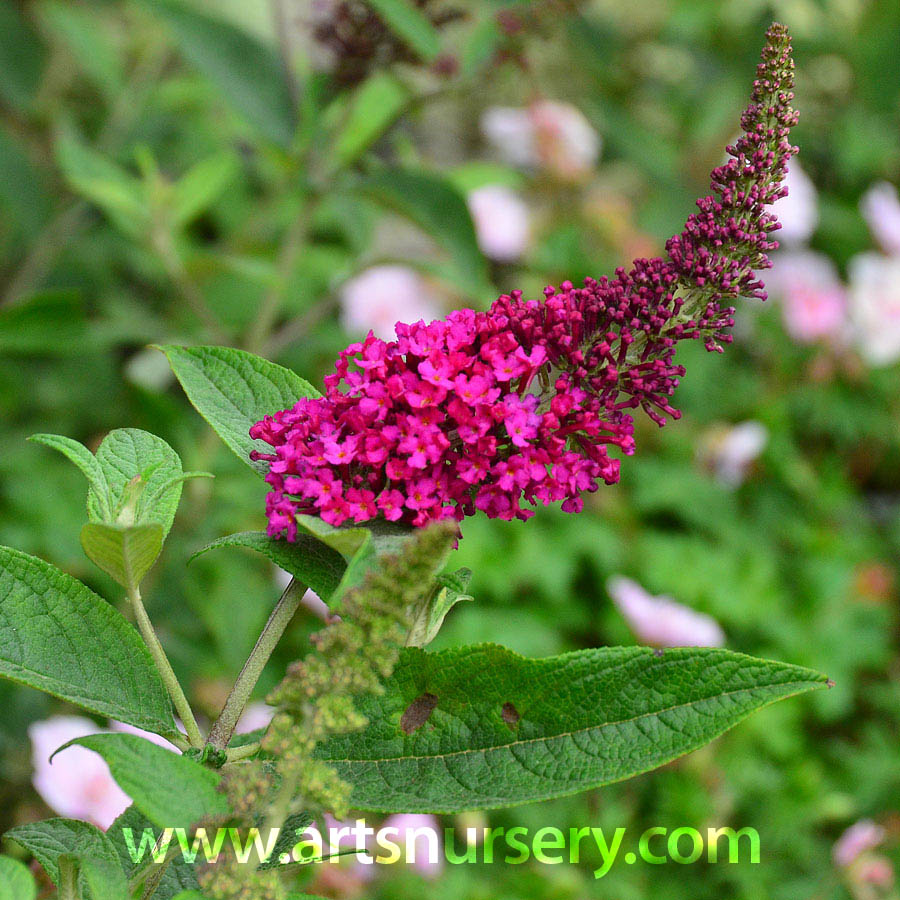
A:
482, 727
16, 882
309, 560
233, 389
101, 503
58, 636
172, 791
57, 842
409, 23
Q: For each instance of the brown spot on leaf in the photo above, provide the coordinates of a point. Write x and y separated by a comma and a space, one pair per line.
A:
418, 713
510, 715
829, 683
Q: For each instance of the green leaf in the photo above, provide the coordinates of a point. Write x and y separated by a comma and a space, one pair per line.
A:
308, 559
55, 839
126, 553
366, 116
233, 389
430, 615
126, 454
172, 791
87, 462
360, 546
248, 73
16, 882
202, 185
411, 25
88, 42
119, 194
22, 58
50, 323
481, 727
58, 636
438, 208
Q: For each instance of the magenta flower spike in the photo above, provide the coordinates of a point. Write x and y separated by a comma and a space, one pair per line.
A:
528, 401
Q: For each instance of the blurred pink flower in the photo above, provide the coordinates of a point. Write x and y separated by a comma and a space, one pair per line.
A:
877, 870
875, 306
548, 134
798, 212
78, 784
256, 716
502, 222
423, 833
733, 450
660, 621
814, 301
382, 296
857, 839
880, 207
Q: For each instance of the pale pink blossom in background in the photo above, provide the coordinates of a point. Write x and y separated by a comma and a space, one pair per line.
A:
880, 207
877, 870
548, 134
813, 299
733, 451
798, 212
875, 306
382, 296
660, 621
424, 833
255, 716
77, 784
502, 222
857, 839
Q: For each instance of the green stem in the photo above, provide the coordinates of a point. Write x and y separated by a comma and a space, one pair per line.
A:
68, 879
235, 754
223, 728
182, 707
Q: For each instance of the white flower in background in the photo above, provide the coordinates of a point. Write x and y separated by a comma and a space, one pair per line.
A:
880, 207
732, 451
382, 296
860, 837
813, 299
798, 212
875, 306
502, 222
548, 134
661, 621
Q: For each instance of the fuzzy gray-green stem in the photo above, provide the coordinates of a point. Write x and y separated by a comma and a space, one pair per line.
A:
223, 728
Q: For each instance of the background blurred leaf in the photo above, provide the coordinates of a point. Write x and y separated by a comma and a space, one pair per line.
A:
50, 323
411, 25
201, 185
22, 57
366, 115
248, 72
435, 205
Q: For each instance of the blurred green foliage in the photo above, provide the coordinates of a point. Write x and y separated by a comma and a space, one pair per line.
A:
167, 177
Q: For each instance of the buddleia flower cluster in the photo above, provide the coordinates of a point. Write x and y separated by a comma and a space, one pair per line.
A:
352, 656
532, 401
